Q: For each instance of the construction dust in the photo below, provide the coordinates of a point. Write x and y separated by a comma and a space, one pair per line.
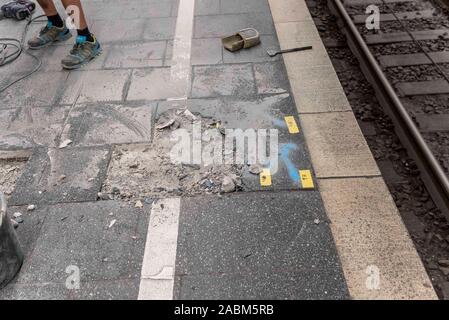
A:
148, 171
10, 171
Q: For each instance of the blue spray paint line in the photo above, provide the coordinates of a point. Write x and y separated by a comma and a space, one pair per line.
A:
279, 123
285, 157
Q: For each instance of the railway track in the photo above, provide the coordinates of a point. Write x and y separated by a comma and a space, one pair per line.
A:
411, 35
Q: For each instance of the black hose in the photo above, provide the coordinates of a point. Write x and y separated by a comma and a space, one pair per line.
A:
18, 47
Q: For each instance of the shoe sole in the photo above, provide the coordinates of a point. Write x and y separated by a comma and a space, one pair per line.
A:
99, 52
66, 37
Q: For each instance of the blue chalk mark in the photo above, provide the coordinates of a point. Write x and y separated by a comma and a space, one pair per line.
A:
279, 123
285, 156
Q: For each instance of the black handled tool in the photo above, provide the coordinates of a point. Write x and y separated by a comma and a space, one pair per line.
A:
272, 52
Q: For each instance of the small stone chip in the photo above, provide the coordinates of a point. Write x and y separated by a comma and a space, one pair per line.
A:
139, 204
111, 224
65, 144
17, 214
31, 207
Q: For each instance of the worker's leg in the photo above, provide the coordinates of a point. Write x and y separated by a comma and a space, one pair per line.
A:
48, 6
53, 31
87, 46
81, 22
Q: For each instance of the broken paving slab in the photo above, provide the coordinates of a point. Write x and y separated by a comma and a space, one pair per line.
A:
39, 89
106, 123
252, 117
148, 171
101, 251
62, 175
29, 127
257, 239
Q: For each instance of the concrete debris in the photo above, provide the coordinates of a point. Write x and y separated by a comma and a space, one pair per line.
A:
17, 214
316, 221
111, 224
104, 196
190, 115
10, 171
227, 185
19, 220
255, 169
31, 207
139, 204
65, 144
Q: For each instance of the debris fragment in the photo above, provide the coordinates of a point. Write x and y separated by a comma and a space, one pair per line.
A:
227, 185
17, 214
166, 124
139, 204
65, 144
111, 224
104, 196
61, 178
31, 207
189, 115
316, 221
255, 169
19, 220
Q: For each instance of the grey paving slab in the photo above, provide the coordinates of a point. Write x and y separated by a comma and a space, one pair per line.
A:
42, 181
246, 6
40, 89
257, 239
101, 253
223, 25
52, 291
223, 80
204, 52
28, 127
152, 84
317, 284
160, 29
254, 54
207, 7
100, 124
271, 77
136, 55
118, 30
95, 85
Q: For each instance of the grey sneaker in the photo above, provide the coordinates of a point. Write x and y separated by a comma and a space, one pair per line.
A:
48, 35
83, 52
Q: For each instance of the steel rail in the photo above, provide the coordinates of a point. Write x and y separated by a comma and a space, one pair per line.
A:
432, 174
